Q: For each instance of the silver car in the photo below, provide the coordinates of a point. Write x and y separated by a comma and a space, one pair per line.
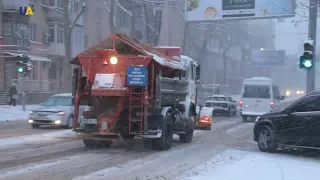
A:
57, 110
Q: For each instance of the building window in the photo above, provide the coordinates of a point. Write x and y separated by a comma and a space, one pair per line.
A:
33, 4
85, 12
85, 41
32, 32
7, 28
53, 70
60, 34
75, 8
78, 37
98, 15
58, 4
51, 33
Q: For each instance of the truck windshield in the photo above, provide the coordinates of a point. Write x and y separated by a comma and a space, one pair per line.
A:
218, 98
256, 91
58, 101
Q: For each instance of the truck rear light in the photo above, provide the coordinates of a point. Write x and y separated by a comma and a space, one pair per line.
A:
205, 118
271, 104
241, 102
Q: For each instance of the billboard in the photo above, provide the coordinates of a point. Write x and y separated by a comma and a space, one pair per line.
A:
204, 10
267, 57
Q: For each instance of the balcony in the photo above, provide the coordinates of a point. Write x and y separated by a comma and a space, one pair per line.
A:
14, 4
56, 49
54, 12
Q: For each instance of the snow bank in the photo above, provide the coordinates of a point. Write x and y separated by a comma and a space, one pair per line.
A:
242, 165
9, 113
4, 143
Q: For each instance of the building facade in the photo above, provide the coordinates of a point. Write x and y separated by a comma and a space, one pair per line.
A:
41, 37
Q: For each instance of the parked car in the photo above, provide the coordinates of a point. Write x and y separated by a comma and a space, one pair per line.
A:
222, 104
57, 111
297, 125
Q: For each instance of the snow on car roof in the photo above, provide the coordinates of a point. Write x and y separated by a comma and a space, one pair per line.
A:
221, 95
64, 95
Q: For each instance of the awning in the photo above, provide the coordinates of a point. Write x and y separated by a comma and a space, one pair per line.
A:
32, 57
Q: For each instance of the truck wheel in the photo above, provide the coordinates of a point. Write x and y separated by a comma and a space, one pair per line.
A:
89, 143
229, 113
165, 141
244, 118
96, 144
126, 137
187, 138
35, 126
148, 143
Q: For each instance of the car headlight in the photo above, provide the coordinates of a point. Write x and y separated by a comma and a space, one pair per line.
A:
31, 113
60, 113
257, 119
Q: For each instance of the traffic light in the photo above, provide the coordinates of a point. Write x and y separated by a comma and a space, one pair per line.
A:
20, 67
306, 60
24, 64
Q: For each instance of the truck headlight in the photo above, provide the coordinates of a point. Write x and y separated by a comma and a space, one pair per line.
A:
60, 113
257, 119
113, 60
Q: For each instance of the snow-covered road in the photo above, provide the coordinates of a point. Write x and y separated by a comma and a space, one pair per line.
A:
235, 164
227, 152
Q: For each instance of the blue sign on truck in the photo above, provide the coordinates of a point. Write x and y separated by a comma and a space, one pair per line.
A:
137, 76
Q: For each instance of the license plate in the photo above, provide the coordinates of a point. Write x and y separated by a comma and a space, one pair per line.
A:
41, 118
89, 121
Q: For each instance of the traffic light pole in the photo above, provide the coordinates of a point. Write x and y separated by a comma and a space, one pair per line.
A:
311, 73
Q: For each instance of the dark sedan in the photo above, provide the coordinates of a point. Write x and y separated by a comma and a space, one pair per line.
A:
297, 125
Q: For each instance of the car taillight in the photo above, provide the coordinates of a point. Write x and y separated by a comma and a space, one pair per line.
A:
241, 102
271, 104
205, 118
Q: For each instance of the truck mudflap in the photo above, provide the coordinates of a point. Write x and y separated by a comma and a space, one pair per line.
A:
152, 134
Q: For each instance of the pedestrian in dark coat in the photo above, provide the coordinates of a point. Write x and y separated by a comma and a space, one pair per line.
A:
13, 95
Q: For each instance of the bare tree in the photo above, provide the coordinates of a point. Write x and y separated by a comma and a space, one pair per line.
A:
68, 28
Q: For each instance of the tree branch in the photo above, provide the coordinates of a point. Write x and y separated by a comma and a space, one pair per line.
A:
78, 16
105, 6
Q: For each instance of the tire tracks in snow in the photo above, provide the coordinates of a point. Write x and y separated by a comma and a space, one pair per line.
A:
67, 159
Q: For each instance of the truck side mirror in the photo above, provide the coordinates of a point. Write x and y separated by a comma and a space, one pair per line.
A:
198, 72
75, 81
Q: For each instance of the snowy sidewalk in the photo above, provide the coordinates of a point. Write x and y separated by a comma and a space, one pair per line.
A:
10, 113
242, 165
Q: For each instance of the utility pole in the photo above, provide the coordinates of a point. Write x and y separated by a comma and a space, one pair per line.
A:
112, 17
133, 19
225, 65
313, 6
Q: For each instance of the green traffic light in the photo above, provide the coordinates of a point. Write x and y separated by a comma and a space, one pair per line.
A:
307, 63
20, 69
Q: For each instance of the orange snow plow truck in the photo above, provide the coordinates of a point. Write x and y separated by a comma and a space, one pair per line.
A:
131, 89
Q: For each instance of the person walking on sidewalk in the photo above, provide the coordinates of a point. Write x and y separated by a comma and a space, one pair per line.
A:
13, 95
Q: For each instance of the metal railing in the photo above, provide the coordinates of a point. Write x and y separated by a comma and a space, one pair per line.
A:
27, 85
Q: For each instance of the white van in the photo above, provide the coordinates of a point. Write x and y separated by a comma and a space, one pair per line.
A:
259, 96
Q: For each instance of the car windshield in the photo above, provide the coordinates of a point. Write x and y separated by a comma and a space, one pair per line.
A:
218, 98
256, 91
58, 101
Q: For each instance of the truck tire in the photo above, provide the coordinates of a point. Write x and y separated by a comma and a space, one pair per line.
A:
244, 118
35, 126
96, 144
165, 141
126, 137
187, 137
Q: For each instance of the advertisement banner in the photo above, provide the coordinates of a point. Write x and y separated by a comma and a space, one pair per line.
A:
203, 10
267, 57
